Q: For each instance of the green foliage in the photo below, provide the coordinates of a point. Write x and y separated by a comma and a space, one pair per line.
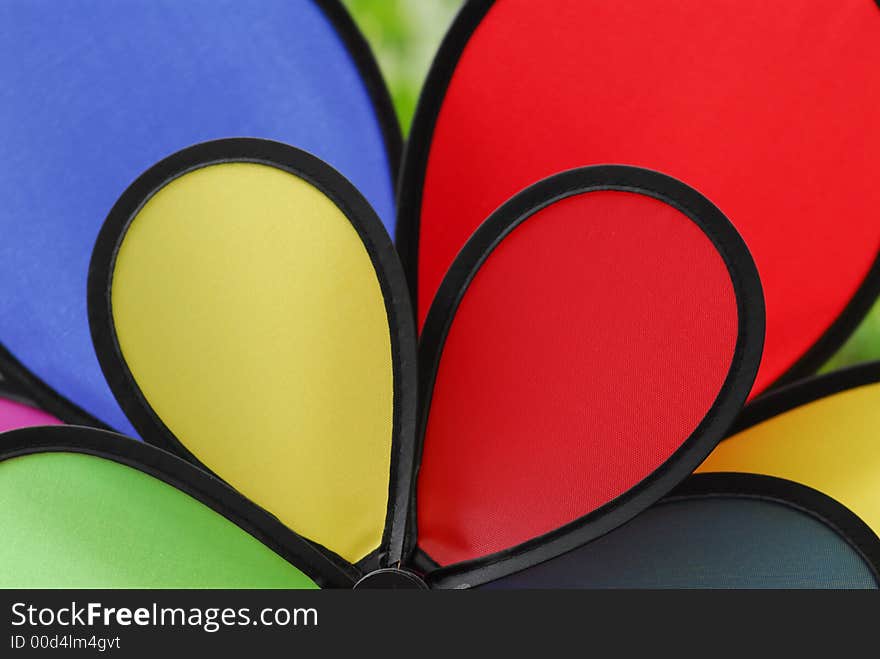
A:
404, 35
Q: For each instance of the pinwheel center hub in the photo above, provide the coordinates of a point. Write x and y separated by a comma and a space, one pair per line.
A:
391, 578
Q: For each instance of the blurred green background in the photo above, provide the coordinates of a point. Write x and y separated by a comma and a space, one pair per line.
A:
405, 35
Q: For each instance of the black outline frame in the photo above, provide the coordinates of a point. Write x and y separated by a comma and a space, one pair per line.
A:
412, 179
828, 511
371, 75
709, 432
199, 484
11, 393
43, 396
359, 50
381, 252
421, 135
804, 392
801, 497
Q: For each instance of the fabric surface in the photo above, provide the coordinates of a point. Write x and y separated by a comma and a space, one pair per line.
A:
78, 521
722, 95
18, 415
586, 350
92, 93
251, 317
708, 543
830, 445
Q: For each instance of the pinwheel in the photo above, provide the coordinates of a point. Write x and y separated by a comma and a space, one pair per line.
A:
588, 332
250, 315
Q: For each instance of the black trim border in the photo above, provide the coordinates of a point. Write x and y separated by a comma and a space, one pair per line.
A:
804, 499
804, 392
412, 179
13, 394
198, 484
365, 61
855, 311
728, 403
421, 133
358, 48
378, 246
807, 500
43, 396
